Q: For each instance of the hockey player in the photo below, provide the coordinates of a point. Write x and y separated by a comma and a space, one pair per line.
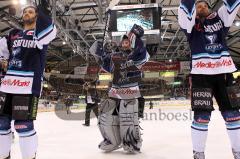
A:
211, 69
118, 115
25, 52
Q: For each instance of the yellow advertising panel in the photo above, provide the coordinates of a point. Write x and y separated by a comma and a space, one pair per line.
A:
105, 77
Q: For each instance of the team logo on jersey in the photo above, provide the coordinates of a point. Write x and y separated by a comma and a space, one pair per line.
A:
214, 27
24, 43
211, 38
16, 51
213, 46
15, 62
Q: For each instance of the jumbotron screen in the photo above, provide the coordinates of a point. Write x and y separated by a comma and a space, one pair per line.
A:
127, 18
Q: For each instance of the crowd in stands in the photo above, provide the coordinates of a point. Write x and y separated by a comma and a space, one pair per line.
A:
148, 87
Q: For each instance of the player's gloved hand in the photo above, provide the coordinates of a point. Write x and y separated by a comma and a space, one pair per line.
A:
127, 64
110, 46
4, 64
123, 66
130, 63
132, 38
137, 30
96, 49
44, 7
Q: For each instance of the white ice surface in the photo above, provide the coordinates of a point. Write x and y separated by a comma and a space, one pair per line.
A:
162, 139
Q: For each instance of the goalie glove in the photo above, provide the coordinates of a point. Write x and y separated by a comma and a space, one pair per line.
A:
137, 30
127, 64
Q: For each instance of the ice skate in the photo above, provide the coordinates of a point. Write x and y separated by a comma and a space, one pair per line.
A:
236, 154
198, 155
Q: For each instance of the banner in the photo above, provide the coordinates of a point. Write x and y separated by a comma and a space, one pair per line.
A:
161, 66
80, 70
185, 67
94, 70
150, 66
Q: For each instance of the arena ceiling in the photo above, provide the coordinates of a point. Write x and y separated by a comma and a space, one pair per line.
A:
81, 22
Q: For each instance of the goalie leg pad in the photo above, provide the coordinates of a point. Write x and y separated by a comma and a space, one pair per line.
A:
109, 126
129, 125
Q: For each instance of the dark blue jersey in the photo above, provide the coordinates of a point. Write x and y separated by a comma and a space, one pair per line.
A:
125, 67
26, 51
207, 37
129, 62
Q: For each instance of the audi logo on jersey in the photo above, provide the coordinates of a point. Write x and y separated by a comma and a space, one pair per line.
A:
15, 82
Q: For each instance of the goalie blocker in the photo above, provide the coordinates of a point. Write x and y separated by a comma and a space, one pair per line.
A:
19, 107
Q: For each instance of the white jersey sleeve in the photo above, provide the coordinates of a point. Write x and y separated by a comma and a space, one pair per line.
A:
4, 52
45, 30
47, 36
187, 15
229, 11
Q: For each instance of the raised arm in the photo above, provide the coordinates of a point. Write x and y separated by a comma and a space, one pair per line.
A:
229, 11
140, 55
107, 63
45, 30
187, 15
102, 58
